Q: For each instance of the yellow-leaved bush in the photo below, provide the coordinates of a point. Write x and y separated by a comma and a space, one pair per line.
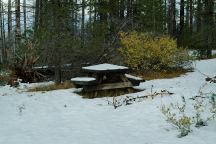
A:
145, 51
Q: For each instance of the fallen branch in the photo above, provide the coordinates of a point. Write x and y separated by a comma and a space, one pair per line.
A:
128, 100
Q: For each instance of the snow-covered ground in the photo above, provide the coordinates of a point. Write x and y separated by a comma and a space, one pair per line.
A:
63, 117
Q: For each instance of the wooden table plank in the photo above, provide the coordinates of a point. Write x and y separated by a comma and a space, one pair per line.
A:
108, 86
84, 81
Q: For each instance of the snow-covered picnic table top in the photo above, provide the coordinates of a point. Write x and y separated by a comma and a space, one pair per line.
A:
84, 79
105, 68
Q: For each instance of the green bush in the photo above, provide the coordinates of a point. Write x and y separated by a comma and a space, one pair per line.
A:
144, 51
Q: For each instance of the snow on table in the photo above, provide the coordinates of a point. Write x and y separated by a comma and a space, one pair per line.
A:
83, 79
133, 77
104, 67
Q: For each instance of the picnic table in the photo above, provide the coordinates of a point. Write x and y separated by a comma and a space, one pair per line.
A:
106, 77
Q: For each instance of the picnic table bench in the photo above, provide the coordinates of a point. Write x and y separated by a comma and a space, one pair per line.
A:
106, 77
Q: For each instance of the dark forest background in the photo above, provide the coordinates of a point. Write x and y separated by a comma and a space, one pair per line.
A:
76, 32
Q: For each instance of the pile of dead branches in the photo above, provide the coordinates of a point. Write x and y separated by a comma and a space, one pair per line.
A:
129, 100
22, 63
22, 68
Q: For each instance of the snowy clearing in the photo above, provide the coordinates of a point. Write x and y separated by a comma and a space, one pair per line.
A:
63, 117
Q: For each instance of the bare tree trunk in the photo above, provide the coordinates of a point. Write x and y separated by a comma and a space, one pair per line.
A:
76, 18
198, 16
154, 19
90, 11
165, 19
181, 25
83, 24
181, 17
18, 28
24, 17
37, 12
187, 14
10, 34
122, 9
1, 38
172, 18
129, 8
191, 17
209, 24
95, 10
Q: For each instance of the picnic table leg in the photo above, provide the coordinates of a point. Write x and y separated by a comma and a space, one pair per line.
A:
123, 78
114, 102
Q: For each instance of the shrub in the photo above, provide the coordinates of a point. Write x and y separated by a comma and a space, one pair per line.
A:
181, 122
202, 113
145, 51
213, 107
199, 108
4, 77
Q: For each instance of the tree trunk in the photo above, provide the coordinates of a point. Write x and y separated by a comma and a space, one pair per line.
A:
121, 9
172, 18
181, 27
18, 28
37, 11
209, 24
181, 24
58, 74
24, 17
10, 33
1, 37
76, 18
199, 16
83, 24
165, 13
128, 8
187, 14
191, 17
90, 12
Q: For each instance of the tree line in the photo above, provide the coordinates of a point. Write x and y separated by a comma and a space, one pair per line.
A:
81, 31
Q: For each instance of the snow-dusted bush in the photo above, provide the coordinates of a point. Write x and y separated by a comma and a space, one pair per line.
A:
145, 51
199, 109
202, 112
175, 115
213, 107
